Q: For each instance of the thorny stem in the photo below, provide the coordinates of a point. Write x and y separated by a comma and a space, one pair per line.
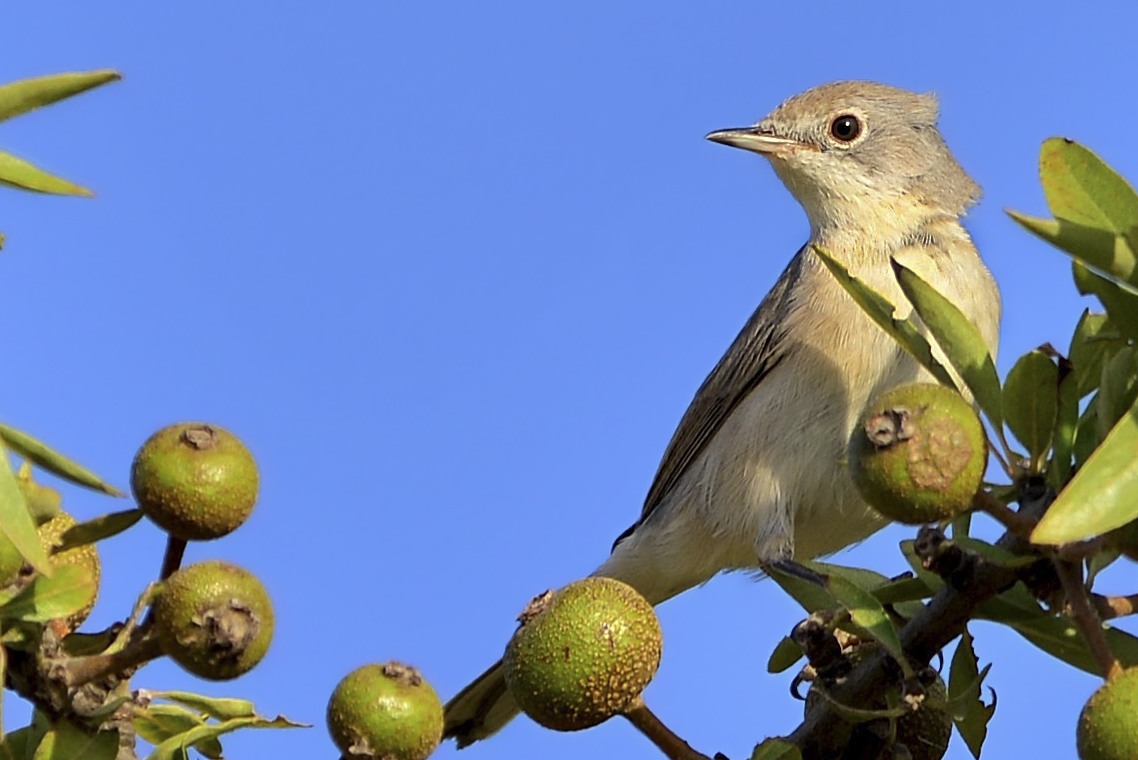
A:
1019, 524
665, 740
80, 670
1085, 618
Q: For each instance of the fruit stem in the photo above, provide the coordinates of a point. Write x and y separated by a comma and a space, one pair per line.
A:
77, 671
1085, 618
172, 559
665, 740
1021, 525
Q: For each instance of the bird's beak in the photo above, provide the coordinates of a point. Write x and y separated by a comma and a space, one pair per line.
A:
756, 140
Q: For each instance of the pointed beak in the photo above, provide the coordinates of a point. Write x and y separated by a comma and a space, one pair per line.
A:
756, 140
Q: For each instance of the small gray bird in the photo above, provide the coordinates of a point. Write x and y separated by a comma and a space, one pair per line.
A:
755, 472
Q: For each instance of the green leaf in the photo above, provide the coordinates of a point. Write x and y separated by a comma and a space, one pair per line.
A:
969, 713
1095, 340
1082, 188
15, 521
880, 310
24, 175
1121, 302
1031, 403
65, 593
1103, 495
28, 94
811, 596
1066, 426
65, 741
959, 338
1097, 248
1118, 388
902, 590
98, 529
157, 723
174, 747
1086, 434
222, 708
53, 461
866, 612
15, 745
776, 749
785, 655
1055, 635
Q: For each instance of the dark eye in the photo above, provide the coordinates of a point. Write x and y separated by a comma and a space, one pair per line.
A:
845, 128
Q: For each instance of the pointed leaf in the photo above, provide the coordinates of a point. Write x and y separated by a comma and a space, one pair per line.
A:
959, 338
15, 522
868, 613
881, 311
1052, 634
222, 708
69, 589
28, 94
65, 741
1118, 388
157, 723
98, 529
1103, 495
1081, 187
1031, 403
785, 655
964, 684
24, 175
1095, 340
174, 748
811, 596
53, 461
1086, 434
1121, 303
1066, 425
1097, 248
776, 749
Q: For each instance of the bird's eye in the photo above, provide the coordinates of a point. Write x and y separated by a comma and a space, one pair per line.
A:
845, 128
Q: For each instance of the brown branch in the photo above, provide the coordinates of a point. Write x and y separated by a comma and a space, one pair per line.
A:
172, 558
663, 737
1085, 618
76, 671
1013, 521
823, 733
1110, 607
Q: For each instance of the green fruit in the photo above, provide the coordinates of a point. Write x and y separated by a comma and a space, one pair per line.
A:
195, 481
926, 731
386, 712
1108, 725
214, 619
919, 453
85, 556
51, 533
583, 654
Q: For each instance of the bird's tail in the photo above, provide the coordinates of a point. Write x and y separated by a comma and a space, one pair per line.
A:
481, 709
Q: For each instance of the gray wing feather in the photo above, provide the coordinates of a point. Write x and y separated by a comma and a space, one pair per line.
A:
758, 349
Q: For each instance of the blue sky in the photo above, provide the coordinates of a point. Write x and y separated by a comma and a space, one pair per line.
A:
454, 271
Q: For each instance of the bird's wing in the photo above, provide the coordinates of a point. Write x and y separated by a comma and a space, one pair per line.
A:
758, 349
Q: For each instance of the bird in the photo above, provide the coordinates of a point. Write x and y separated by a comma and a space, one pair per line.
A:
754, 474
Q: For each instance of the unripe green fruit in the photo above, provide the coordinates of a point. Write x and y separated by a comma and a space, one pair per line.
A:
214, 619
51, 534
85, 556
1108, 725
919, 453
385, 712
583, 654
195, 481
926, 731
